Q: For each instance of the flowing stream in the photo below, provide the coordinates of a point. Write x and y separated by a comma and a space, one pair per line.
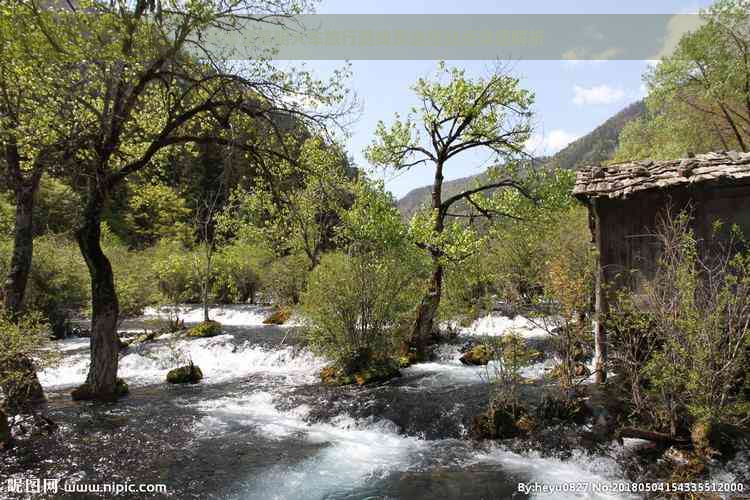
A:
261, 426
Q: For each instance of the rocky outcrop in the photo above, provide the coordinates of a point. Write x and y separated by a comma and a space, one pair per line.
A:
189, 374
205, 329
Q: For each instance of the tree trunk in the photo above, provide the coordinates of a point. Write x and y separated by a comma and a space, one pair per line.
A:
102, 377
23, 247
23, 394
428, 307
426, 313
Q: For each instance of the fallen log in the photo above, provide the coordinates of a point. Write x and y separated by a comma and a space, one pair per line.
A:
656, 437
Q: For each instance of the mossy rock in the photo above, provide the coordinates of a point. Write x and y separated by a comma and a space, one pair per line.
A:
377, 372
84, 392
404, 362
6, 440
477, 356
498, 422
189, 374
279, 316
205, 329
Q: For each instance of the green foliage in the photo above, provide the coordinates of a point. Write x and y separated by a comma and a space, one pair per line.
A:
172, 267
135, 279
359, 302
295, 207
697, 96
511, 354
286, 279
205, 329
28, 338
481, 104
699, 304
155, 212
58, 284
56, 208
241, 270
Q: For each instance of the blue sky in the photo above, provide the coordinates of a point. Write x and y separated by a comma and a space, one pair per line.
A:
571, 98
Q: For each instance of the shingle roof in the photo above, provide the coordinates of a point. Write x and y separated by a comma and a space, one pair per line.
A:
618, 181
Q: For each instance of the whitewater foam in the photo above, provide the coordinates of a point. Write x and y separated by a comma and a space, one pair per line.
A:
230, 315
218, 357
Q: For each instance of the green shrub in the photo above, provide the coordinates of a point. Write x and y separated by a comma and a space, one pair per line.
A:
59, 284
286, 279
359, 304
700, 301
205, 329
240, 272
174, 273
24, 349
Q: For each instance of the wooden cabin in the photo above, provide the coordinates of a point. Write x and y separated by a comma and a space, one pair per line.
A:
626, 200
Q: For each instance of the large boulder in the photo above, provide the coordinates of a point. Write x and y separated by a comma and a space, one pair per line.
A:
189, 374
205, 329
478, 355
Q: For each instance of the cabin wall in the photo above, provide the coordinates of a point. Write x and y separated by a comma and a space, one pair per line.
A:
628, 226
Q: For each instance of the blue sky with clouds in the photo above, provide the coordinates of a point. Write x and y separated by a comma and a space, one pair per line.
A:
572, 98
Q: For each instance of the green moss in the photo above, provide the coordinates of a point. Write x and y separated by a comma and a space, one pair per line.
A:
205, 329
376, 372
477, 355
189, 374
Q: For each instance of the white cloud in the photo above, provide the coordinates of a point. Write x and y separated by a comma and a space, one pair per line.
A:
545, 144
598, 94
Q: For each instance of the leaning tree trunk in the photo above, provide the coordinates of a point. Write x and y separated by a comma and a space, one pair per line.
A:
23, 392
426, 313
428, 307
101, 381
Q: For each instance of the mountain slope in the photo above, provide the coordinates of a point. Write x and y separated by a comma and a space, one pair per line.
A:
596, 146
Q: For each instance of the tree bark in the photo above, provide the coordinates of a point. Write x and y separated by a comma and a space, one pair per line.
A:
24, 393
428, 307
426, 313
102, 377
23, 246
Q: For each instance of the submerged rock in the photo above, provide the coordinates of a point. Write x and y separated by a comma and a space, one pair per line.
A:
85, 392
189, 374
477, 355
280, 316
205, 329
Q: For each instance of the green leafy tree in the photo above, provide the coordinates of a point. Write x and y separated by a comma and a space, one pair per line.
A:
156, 211
457, 114
141, 93
699, 97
